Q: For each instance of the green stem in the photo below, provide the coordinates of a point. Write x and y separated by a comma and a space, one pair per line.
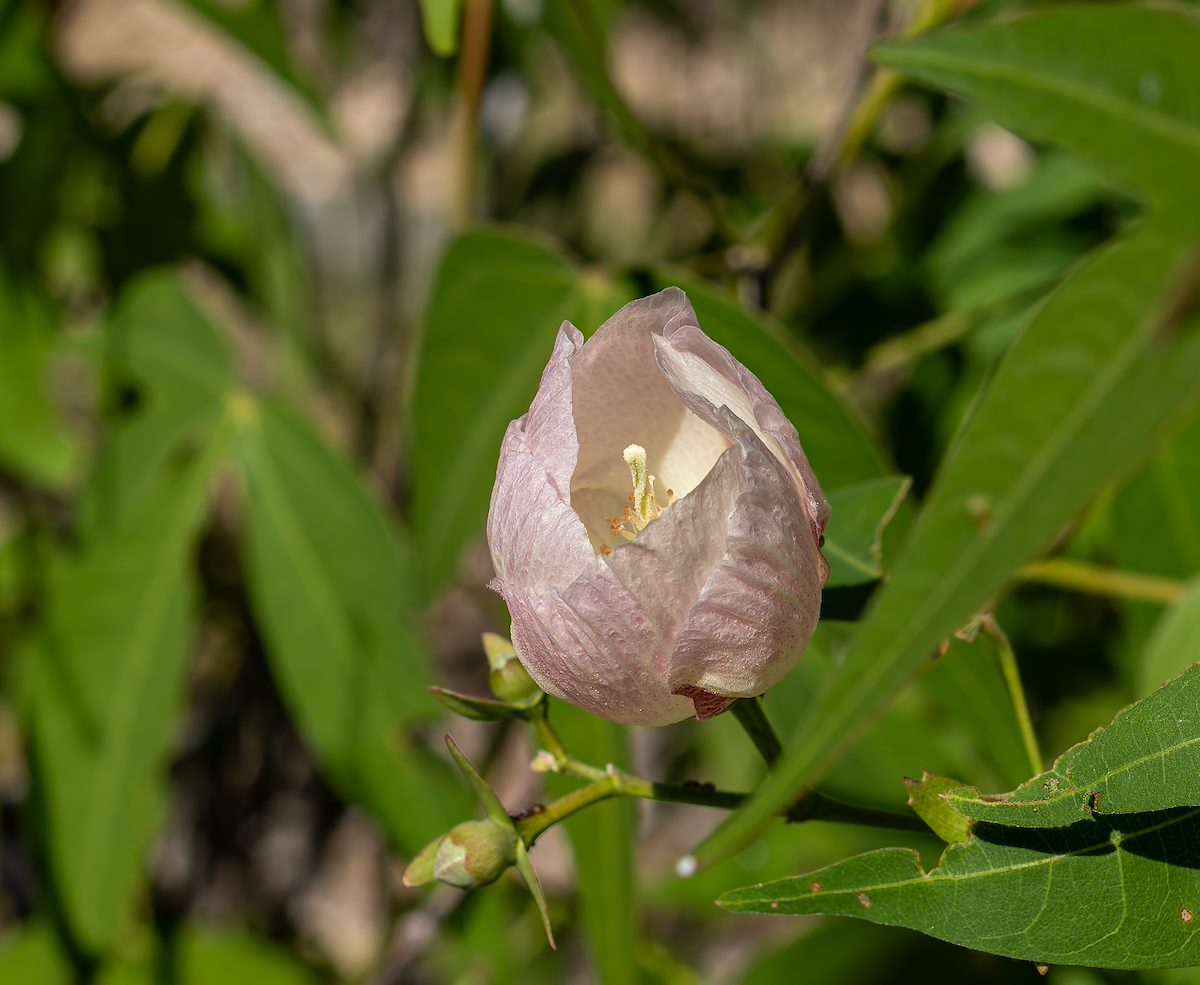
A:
617, 783
1016, 692
1096, 580
753, 720
614, 782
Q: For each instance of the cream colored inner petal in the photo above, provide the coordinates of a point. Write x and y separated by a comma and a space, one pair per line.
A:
620, 398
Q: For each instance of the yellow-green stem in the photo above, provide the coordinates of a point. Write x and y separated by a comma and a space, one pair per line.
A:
1016, 692
1093, 579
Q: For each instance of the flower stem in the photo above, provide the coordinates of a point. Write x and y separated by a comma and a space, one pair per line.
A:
614, 782
617, 783
1097, 580
750, 715
1016, 692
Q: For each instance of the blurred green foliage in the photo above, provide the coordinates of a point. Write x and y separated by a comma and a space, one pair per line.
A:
274, 278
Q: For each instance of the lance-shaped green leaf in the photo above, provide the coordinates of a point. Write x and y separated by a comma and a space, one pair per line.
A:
332, 587
1148, 759
1113, 83
33, 442
107, 669
440, 19
1109, 892
858, 515
1111, 360
1175, 642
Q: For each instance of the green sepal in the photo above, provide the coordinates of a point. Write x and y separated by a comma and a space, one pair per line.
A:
491, 803
525, 867
476, 709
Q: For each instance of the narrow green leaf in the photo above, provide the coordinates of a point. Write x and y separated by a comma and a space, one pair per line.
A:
835, 440
1155, 527
199, 956
111, 671
332, 587
1099, 372
169, 364
496, 305
1148, 759
233, 956
1113, 83
858, 515
440, 18
33, 955
1111, 892
1175, 643
33, 442
107, 669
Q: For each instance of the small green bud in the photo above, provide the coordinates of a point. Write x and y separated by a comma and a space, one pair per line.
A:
474, 853
508, 679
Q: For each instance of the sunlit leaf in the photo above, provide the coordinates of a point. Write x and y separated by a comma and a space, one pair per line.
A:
1072, 77
440, 18
1104, 366
32, 954
333, 590
33, 442
108, 667
1111, 892
1148, 759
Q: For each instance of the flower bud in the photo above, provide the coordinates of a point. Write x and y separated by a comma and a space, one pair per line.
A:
509, 681
474, 853
655, 526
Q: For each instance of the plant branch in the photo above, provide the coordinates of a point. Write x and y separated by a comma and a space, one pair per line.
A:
613, 782
1093, 579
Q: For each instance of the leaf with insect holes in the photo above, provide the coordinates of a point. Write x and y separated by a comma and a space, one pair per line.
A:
1148, 759
1107, 892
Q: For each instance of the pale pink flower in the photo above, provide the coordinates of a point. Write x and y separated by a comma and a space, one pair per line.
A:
655, 525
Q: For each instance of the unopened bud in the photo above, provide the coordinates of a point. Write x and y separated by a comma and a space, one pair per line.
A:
474, 853
508, 679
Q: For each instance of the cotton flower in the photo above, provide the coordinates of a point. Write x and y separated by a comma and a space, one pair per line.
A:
655, 526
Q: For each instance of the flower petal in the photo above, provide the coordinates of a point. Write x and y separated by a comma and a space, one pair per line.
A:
536, 539
761, 601
621, 398
696, 366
